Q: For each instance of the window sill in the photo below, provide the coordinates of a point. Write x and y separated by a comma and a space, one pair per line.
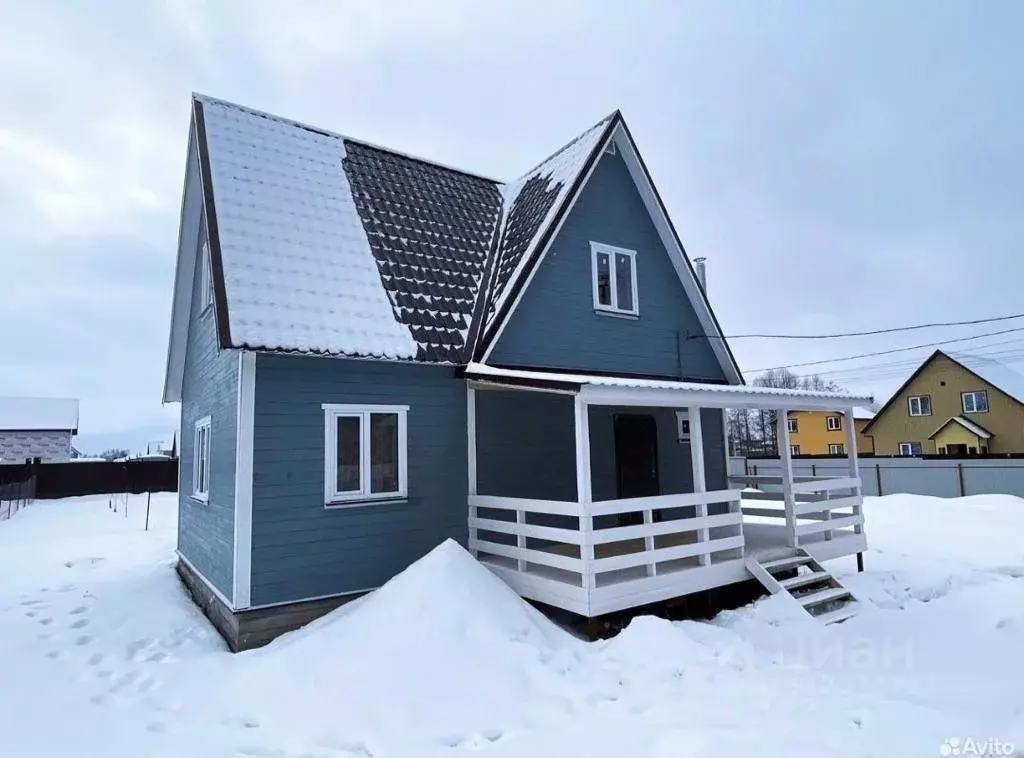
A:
363, 502
201, 499
617, 314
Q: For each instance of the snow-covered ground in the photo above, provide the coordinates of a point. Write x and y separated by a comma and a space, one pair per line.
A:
102, 654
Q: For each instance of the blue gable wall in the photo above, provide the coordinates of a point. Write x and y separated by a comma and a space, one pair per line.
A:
209, 388
301, 549
555, 323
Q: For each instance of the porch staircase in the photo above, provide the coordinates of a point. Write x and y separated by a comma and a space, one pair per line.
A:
808, 583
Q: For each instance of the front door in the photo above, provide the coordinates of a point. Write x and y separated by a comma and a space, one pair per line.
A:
636, 455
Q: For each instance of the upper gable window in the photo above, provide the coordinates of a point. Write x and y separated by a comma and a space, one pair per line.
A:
614, 279
920, 405
834, 423
975, 402
206, 285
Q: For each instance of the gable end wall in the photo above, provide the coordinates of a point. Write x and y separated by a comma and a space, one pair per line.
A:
209, 388
555, 324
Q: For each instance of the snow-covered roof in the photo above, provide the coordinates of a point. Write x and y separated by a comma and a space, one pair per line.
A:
331, 245
995, 373
671, 392
976, 429
38, 413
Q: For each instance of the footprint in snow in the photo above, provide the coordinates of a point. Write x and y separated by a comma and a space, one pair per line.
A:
80, 623
85, 639
46, 621
346, 748
95, 659
261, 752
241, 723
79, 610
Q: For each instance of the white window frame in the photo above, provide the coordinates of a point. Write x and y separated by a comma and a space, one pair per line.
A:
907, 449
598, 248
206, 283
918, 398
201, 460
839, 423
973, 395
335, 499
792, 425
794, 450
836, 448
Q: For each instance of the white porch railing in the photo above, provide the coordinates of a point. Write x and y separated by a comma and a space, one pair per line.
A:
818, 507
596, 557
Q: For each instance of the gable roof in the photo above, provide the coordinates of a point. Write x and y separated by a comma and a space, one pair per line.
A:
993, 372
976, 429
324, 244
32, 414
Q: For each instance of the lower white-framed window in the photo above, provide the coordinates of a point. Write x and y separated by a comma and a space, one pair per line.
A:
201, 460
613, 270
910, 448
794, 450
836, 448
366, 456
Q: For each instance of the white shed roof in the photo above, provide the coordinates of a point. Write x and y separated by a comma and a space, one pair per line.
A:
38, 413
616, 390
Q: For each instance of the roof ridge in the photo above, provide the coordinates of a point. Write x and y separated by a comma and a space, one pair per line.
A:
343, 137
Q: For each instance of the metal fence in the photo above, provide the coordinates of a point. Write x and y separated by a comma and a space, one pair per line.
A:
14, 495
56, 480
939, 477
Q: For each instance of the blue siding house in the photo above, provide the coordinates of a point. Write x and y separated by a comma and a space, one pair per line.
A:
375, 353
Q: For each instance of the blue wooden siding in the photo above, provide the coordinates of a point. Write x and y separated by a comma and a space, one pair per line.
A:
302, 550
555, 323
209, 388
526, 447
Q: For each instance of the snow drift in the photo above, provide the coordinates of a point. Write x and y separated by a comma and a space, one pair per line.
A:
445, 643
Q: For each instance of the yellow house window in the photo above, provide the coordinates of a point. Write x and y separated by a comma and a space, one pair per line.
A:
975, 402
794, 450
836, 449
920, 405
791, 424
834, 423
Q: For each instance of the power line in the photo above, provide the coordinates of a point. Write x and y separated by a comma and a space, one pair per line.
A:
979, 350
888, 352
890, 330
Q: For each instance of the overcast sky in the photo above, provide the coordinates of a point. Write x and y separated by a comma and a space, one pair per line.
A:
842, 166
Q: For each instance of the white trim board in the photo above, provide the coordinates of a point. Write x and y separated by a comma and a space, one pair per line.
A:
659, 216
242, 574
202, 577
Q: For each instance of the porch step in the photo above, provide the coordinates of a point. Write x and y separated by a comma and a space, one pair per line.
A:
784, 564
822, 596
801, 580
829, 601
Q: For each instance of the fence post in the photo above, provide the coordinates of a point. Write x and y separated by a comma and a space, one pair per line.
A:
960, 478
814, 470
149, 496
878, 478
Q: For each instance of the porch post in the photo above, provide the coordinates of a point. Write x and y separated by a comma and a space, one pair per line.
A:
699, 482
583, 491
854, 471
471, 463
786, 459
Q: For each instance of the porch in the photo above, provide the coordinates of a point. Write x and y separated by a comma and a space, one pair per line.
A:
591, 549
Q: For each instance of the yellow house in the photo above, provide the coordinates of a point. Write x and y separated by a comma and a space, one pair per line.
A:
824, 432
953, 404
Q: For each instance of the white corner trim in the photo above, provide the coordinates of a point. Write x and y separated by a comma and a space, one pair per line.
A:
246, 407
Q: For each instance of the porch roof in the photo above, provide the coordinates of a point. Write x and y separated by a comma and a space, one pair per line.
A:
620, 390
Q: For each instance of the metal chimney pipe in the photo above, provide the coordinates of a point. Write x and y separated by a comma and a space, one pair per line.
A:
702, 274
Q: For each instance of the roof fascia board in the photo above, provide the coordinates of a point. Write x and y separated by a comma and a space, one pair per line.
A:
220, 300
181, 303
670, 239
